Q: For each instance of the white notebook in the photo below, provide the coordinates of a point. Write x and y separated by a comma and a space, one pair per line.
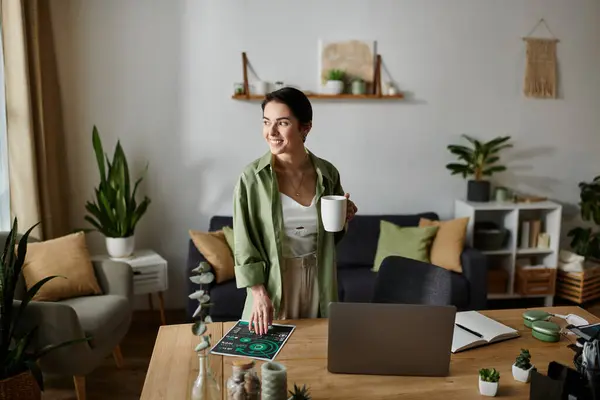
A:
483, 330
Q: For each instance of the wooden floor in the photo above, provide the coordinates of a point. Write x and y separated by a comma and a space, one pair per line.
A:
109, 382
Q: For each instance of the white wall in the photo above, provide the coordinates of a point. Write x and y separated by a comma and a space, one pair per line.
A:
158, 75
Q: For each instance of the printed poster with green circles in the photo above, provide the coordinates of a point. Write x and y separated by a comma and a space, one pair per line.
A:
240, 342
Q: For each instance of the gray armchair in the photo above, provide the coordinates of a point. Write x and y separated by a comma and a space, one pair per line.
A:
106, 318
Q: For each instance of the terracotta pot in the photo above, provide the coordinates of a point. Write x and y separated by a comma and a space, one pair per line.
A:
20, 387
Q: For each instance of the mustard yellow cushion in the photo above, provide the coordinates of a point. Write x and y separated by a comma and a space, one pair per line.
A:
216, 250
66, 256
448, 243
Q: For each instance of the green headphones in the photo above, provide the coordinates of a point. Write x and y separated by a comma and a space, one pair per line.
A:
541, 328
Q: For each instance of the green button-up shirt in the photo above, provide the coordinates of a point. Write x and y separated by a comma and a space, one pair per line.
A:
258, 232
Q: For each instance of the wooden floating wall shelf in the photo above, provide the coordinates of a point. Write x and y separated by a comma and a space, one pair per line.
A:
327, 97
376, 95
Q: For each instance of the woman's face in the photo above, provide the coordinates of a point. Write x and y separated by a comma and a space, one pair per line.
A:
281, 129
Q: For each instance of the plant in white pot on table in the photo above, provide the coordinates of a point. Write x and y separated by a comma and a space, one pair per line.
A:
522, 367
478, 161
335, 83
115, 212
489, 380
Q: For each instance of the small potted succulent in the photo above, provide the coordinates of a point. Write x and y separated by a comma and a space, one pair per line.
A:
522, 367
488, 381
299, 393
334, 84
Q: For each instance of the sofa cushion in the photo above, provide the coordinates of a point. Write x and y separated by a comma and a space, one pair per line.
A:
215, 249
359, 245
356, 284
409, 242
219, 221
228, 301
69, 258
100, 316
448, 243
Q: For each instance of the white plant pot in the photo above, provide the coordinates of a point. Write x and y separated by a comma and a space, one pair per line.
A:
120, 247
521, 375
334, 87
488, 388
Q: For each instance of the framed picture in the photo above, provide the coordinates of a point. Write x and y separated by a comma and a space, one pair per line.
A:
356, 57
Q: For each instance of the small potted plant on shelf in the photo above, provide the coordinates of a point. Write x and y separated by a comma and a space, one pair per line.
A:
478, 161
299, 393
335, 81
522, 367
488, 381
359, 86
585, 241
115, 212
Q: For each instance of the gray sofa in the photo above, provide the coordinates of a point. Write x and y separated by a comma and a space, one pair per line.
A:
355, 257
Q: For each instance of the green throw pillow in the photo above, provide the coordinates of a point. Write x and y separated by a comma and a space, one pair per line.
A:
410, 242
228, 232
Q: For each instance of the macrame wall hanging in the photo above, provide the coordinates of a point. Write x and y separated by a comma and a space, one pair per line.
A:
540, 71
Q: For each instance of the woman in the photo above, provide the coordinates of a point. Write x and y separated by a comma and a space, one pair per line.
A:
283, 256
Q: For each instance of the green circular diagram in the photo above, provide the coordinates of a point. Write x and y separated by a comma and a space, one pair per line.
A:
260, 348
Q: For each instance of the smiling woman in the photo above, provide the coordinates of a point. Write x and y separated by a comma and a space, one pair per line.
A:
283, 256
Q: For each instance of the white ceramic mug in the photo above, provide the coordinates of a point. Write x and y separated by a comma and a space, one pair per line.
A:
333, 212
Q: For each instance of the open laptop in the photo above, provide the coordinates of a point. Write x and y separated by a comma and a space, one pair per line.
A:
390, 339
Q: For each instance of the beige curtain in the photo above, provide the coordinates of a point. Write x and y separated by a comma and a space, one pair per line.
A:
36, 150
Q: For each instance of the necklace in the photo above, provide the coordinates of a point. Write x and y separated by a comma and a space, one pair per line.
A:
297, 189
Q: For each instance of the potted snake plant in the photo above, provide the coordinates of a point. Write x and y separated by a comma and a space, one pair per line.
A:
115, 212
20, 375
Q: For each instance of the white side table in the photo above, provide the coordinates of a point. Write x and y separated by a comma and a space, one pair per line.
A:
149, 276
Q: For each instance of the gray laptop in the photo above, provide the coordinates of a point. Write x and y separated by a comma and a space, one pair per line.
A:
390, 339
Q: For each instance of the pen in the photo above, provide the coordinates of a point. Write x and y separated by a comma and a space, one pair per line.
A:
470, 331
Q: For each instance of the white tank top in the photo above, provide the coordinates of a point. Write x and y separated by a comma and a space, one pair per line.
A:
300, 226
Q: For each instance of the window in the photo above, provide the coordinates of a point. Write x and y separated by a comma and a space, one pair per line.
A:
4, 186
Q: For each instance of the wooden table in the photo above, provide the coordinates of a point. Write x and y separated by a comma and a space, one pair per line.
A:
174, 364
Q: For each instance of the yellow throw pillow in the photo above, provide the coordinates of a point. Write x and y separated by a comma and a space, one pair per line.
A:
66, 256
214, 247
448, 243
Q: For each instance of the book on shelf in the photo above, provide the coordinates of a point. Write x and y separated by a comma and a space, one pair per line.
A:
473, 329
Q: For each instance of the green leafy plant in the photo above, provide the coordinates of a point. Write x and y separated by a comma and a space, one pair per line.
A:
523, 360
489, 374
336, 75
202, 275
300, 393
479, 160
114, 211
16, 356
586, 241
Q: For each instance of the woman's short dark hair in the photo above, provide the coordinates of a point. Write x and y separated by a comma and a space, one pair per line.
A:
296, 101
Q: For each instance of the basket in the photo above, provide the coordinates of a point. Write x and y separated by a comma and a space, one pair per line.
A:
497, 281
20, 387
579, 287
536, 281
490, 239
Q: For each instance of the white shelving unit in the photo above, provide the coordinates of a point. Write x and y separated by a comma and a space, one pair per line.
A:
510, 215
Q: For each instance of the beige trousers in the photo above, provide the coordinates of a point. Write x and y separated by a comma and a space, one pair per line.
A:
300, 291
